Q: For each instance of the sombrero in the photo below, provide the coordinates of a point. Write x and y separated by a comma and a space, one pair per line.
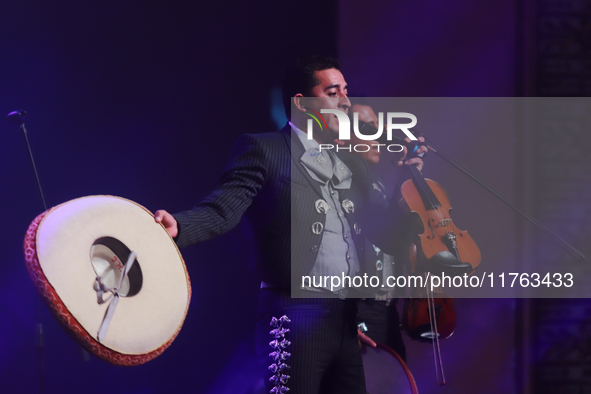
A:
81, 256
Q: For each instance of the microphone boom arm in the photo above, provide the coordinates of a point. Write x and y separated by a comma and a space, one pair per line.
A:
578, 256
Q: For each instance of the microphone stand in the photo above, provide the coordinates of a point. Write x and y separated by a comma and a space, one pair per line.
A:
17, 117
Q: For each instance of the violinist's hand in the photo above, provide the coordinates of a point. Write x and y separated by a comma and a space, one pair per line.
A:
364, 340
168, 221
400, 160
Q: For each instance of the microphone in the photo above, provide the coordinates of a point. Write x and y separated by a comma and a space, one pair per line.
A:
16, 117
412, 147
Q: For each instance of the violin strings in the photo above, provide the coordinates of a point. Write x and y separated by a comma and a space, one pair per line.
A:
423, 187
438, 214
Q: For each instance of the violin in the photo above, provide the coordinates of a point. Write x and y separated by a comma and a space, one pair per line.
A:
438, 247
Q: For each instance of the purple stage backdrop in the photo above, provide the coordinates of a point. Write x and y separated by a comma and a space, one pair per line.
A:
144, 100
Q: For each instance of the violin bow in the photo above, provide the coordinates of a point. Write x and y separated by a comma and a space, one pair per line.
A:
578, 256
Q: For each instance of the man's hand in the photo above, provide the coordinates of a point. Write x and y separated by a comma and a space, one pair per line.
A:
168, 221
364, 340
415, 160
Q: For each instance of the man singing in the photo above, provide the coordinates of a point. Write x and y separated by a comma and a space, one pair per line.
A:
307, 210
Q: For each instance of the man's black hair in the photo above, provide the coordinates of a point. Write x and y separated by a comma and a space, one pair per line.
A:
301, 78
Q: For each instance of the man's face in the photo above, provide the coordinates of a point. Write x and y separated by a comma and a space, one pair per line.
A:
330, 93
367, 115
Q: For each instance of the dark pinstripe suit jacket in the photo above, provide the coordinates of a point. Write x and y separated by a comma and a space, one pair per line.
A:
265, 181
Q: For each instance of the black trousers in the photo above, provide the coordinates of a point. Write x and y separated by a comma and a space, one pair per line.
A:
325, 356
